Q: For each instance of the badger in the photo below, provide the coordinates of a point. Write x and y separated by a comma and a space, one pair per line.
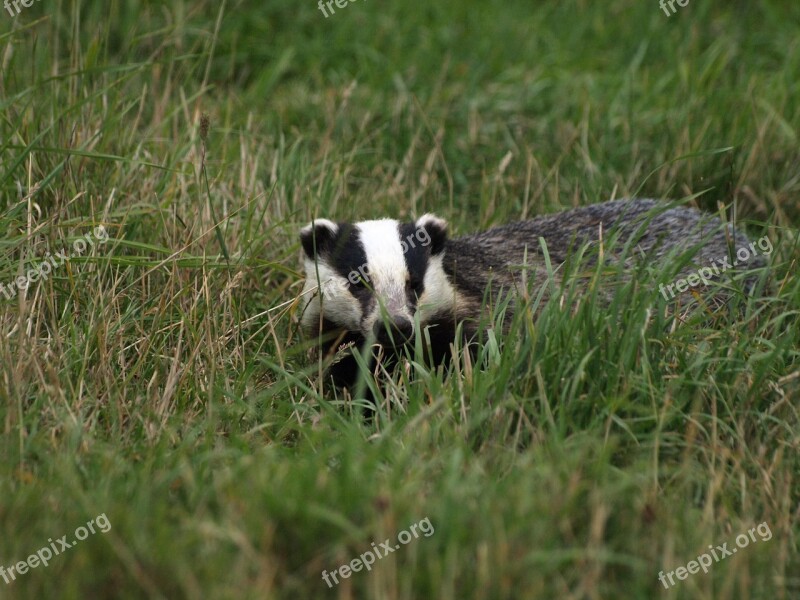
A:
383, 282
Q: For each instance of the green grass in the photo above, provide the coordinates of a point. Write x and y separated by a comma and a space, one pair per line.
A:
160, 383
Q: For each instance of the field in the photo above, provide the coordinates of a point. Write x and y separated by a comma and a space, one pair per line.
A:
160, 159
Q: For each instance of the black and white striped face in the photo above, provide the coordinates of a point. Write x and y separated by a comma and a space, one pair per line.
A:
373, 277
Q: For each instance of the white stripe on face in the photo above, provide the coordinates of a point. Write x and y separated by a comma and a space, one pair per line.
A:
439, 294
340, 306
387, 267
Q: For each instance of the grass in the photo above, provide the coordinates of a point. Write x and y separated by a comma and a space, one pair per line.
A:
160, 378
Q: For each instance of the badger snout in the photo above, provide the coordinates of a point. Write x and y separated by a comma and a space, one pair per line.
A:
393, 331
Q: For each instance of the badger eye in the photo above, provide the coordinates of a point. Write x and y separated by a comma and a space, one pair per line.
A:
414, 283
361, 282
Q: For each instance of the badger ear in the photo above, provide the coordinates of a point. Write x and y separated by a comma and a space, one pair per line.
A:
318, 236
437, 230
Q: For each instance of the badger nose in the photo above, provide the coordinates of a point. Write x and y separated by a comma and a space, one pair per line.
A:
395, 331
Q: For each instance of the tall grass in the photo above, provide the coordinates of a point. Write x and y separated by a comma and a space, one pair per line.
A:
161, 379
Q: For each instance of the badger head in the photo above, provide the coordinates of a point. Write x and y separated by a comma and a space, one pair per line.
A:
371, 278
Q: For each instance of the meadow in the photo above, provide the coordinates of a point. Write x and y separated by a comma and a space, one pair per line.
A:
155, 378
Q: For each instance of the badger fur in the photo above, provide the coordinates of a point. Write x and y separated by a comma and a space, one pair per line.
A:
371, 281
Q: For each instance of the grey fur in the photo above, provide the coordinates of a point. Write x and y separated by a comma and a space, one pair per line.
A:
654, 230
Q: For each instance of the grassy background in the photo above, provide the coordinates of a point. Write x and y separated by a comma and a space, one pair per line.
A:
160, 383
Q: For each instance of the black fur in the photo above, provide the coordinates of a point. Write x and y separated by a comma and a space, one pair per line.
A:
416, 257
317, 240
